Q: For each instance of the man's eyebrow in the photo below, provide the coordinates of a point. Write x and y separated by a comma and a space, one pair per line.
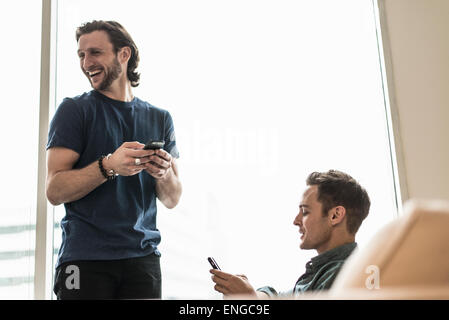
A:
89, 49
303, 206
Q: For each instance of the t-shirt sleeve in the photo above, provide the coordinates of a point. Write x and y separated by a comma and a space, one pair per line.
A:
66, 127
170, 137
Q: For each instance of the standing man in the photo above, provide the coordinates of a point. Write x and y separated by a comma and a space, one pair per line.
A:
330, 213
98, 168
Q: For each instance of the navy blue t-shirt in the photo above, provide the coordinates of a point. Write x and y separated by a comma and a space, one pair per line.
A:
117, 220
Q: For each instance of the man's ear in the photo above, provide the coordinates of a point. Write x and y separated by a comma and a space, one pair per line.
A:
337, 215
124, 54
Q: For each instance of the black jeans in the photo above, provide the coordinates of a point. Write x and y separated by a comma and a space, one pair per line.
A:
134, 278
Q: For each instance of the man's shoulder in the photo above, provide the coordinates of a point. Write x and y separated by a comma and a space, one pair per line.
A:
147, 105
83, 99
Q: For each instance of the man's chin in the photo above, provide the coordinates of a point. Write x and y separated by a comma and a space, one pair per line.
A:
94, 85
98, 86
304, 246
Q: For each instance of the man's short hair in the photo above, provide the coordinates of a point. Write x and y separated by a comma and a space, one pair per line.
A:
336, 188
119, 38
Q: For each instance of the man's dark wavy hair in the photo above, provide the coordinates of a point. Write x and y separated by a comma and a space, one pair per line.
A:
119, 38
336, 188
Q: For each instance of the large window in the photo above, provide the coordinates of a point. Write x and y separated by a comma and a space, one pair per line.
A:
19, 86
262, 93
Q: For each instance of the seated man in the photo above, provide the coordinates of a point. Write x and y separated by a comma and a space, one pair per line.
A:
330, 213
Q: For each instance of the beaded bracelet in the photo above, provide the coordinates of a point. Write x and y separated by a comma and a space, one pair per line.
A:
103, 170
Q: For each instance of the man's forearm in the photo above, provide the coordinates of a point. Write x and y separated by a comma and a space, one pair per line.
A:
169, 188
71, 185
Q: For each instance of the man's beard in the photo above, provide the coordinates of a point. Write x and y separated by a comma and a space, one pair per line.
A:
112, 73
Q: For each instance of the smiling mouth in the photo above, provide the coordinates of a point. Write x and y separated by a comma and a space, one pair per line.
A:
93, 73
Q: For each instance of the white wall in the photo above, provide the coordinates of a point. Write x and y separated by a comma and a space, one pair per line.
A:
416, 44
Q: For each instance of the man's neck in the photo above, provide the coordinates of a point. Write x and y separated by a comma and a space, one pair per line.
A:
336, 242
119, 90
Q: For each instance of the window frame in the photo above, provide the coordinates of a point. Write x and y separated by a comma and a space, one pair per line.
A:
44, 213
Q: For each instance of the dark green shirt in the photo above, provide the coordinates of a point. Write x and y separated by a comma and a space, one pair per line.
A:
321, 271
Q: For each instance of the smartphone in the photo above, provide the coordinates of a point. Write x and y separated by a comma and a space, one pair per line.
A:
154, 145
213, 263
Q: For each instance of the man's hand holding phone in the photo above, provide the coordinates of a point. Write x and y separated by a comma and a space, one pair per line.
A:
230, 284
129, 159
162, 167
160, 160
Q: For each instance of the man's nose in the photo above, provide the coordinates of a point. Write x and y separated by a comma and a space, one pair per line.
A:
298, 219
87, 62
